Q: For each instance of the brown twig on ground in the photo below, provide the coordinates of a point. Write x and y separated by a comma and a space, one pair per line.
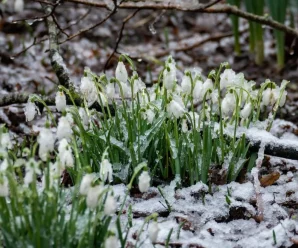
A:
120, 37
203, 8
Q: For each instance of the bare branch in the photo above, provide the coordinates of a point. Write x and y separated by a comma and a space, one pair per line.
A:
203, 8
120, 37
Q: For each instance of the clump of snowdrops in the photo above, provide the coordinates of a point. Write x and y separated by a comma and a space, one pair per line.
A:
36, 210
180, 128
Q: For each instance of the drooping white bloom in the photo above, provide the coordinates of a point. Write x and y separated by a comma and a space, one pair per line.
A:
4, 188
184, 126
284, 94
176, 107
169, 75
110, 205
198, 91
186, 84
46, 142
4, 165
30, 111
64, 129
149, 115
214, 96
60, 101
88, 90
227, 78
126, 90
111, 242
32, 167
65, 154
110, 90
19, 6
121, 72
245, 112
106, 171
86, 183
93, 194
207, 85
84, 116
138, 86
5, 141
228, 104
144, 181
153, 231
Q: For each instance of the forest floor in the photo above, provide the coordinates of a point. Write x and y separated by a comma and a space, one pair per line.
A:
199, 217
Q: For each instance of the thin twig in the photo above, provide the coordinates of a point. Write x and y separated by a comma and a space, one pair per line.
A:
120, 37
35, 42
202, 8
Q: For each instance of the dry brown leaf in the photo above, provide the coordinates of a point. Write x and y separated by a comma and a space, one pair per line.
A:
269, 179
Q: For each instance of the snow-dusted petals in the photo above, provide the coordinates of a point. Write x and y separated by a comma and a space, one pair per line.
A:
64, 129
60, 101
65, 154
153, 231
144, 181
186, 84
207, 85
84, 117
126, 90
46, 142
88, 90
112, 242
110, 91
4, 188
121, 72
93, 194
149, 115
228, 104
106, 171
198, 91
5, 141
138, 86
227, 78
110, 205
86, 183
176, 107
30, 110
169, 76
245, 112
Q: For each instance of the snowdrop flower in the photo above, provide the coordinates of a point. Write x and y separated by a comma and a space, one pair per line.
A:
30, 111
245, 112
138, 85
86, 183
65, 154
88, 89
214, 96
4, 165
126, 90
110, 90
176, 107
228, 104
5, 141
121, 72
184, 126
106, 171
227, 78
84, 117
32, 167
270, 96
18, 5
207, 85
4, 188
198, 91
64, 129
111, 242
149, 115
110, 205
153, 231
60, 101
93, 194
186, 84
144, 181
46, 142
169, 74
